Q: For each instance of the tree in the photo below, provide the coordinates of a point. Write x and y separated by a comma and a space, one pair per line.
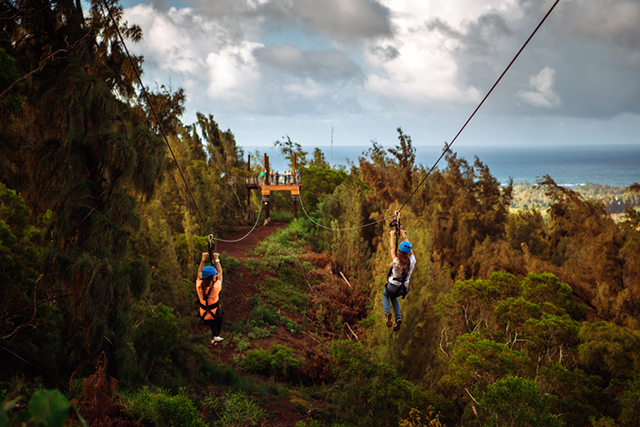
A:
319, 160
517, 402
405, 154
89, 157
467, 207
288, 148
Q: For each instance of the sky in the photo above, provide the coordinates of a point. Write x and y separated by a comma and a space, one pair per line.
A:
353, 71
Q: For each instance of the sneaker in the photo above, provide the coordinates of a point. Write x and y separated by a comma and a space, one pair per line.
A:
389, 321
396, 328
216, 339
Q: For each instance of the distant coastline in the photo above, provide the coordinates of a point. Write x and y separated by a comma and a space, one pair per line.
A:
615, 165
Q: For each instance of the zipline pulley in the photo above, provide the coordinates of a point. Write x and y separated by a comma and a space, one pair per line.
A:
395, 223
211, 248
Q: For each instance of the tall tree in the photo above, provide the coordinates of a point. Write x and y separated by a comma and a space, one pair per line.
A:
89, 156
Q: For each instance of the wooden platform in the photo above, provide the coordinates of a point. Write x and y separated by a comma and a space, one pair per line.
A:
267, 189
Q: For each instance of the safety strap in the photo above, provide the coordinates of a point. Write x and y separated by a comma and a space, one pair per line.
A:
206, 307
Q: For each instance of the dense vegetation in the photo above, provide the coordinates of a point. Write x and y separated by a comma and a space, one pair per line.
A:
515, 317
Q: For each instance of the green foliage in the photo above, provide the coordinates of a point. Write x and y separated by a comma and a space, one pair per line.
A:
344, 209
578, 396
155, 335
288, 148
477, 361
268, 315
235, 410
319, 182
516, 402
10, 101
21, 256
418, 419
160, 409
527, 228
546, 289
47, 408
630, 403
466, 207
287, 242
609, 351
367, 391
278, 361
477, 299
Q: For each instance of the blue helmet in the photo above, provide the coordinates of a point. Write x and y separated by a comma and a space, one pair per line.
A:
208, 271
405, 247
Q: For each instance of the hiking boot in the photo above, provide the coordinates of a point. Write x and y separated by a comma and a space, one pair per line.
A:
396, 328
216, 340
389, 321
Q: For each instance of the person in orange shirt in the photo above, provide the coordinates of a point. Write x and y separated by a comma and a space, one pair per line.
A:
208, 287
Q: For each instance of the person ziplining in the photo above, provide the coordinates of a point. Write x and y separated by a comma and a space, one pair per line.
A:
208, 288
403, 262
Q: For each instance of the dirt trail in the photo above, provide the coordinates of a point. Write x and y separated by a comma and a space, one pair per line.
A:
238, 288
242, 249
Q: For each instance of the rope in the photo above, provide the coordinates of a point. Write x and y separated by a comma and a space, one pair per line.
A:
162, 131
482, 102
247, 235
336, 229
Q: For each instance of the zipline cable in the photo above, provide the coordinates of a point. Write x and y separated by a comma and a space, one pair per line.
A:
482, 102
336, 229
162, 131
246, 235
153, 110
444, 151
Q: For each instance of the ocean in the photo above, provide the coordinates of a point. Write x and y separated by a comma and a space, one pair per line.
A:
616, 165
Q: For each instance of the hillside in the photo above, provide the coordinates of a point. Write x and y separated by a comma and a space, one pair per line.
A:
515, 316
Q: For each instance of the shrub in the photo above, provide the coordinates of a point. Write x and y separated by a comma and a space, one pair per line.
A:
161, 409
235, 409
278, 361
48, 408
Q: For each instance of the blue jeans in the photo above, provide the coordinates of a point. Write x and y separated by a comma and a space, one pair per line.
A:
386, 304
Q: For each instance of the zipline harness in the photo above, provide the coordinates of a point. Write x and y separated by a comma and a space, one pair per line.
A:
396, 291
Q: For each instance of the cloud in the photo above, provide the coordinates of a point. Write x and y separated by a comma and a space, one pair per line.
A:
322, 65
307, 89
541, 92
610, 21
317, 57
164, 37
346, 20
234, 75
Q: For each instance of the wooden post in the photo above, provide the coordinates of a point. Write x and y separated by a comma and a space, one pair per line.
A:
249, 189
265, 200
295, 207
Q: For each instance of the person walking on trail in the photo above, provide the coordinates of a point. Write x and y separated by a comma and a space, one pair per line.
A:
397, 285
262, 173
208, 287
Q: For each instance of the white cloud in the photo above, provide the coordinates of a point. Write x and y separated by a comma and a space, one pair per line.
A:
165, 39
307, 89
234, 75
289, 57
541, 91
423, 68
